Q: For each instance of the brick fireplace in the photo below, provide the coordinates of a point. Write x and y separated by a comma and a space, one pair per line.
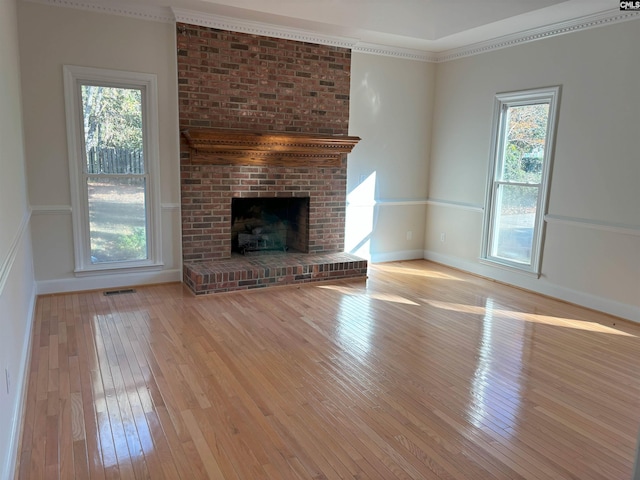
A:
247, 83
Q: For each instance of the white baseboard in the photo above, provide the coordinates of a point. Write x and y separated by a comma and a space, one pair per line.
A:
98, 282
605, 305
21, 400
396, 256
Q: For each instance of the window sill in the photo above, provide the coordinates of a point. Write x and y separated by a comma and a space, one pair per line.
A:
509, 267
118, 269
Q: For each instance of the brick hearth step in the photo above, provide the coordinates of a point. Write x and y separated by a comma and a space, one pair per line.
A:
247, 272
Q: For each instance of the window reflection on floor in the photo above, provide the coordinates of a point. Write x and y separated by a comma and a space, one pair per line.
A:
494, 398
120, 395
355, 325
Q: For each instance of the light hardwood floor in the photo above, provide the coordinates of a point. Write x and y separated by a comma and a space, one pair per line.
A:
422, 372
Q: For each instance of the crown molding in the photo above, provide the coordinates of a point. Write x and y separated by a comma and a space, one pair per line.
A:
608, 17
268, 30
387, 51
258, 28
146, 12
170, 15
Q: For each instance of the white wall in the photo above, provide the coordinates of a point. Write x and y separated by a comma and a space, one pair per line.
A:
592, 247
51, 37
391, 106
17, 287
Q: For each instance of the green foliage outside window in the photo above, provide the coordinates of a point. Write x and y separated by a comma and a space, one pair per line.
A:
523, 155
112, 117
525, 143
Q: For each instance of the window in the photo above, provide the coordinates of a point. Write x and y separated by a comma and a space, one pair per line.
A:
113, 159
521, 156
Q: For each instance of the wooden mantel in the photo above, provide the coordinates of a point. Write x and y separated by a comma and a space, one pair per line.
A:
225, 147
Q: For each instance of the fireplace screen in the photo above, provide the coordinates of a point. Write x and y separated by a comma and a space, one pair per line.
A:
264, 225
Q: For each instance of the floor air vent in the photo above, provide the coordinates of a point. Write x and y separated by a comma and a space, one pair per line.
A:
108, 293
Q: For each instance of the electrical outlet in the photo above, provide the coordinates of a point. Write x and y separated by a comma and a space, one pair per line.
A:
443, 237
409, 235
7, 377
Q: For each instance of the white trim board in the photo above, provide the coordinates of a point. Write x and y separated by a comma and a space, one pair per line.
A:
220, 22
50, 210
17, 422
382, 257
66, 209
7, 264
593, 224
143, 12
168, 15
472, 207
605, 305
401, 202
608, 17
389, 203
108, 280
397, 52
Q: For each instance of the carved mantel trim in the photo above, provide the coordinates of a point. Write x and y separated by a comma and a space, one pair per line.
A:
226, 147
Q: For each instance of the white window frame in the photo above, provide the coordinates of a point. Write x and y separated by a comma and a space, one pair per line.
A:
550, 95
74, 78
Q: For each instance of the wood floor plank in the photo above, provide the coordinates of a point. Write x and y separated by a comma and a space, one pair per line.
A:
206, 455
421, 372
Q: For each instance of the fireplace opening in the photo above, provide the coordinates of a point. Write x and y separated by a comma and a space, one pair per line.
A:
270, 225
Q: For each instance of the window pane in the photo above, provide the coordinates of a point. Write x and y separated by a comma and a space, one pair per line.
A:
514, 223
117, 218
113, 139
525, 135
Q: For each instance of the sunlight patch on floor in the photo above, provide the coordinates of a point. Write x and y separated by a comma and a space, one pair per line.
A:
413, 271
386, 297
529, 317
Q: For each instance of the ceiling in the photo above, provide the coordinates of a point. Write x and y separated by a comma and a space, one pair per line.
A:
433, 26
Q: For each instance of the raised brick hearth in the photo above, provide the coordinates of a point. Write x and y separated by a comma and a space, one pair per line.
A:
250, 83
248, 272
